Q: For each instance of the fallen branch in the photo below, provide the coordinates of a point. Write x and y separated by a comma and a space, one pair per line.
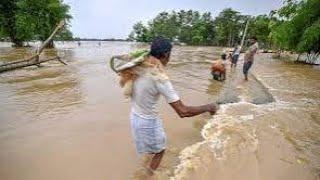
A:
34, 59
28, 63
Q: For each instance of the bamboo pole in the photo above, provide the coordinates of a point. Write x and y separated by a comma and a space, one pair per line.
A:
244, 35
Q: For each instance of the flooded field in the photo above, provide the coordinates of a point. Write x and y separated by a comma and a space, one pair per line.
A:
267, 128
72, 122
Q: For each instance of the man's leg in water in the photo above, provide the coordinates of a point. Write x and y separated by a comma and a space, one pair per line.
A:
156, 160
246, 67
246, 77
224, 76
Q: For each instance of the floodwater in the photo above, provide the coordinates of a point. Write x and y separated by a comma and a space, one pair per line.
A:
72, 122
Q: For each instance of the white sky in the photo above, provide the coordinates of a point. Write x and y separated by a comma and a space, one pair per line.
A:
115, 18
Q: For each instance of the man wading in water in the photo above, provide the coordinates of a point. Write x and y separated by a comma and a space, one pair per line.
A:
249, 56
147, 86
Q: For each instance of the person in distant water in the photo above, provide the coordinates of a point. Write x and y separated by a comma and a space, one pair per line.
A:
218, 69
235, 56
249, 56
79, 43
147, 128
99, 43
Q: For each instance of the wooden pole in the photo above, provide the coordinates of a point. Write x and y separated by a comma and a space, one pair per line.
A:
244, 34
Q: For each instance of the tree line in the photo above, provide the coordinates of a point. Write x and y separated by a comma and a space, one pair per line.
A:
195, 28
293, 27
297, 28
26, 20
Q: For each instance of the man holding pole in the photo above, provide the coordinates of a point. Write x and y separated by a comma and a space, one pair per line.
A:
249, 56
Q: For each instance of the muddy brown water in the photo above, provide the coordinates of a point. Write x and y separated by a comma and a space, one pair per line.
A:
72, 122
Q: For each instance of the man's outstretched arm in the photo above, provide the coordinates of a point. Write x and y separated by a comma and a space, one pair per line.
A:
189, 111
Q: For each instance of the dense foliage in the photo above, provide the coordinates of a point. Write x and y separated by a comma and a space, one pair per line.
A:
298, 28
293, 27
194, 28
24, 20
185, 26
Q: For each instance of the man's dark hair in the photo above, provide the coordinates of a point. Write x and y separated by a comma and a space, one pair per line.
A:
160, 46
255, 38
223, 56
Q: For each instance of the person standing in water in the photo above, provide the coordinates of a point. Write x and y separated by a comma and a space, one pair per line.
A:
147, 128
235, 56
218, 68
249, 56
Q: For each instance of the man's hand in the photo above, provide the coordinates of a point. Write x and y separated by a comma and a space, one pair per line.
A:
189, 111
212, 108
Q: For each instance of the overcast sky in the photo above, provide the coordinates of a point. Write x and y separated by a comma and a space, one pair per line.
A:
115, 18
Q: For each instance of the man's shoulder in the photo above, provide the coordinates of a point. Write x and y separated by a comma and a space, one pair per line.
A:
144, 80
151, 82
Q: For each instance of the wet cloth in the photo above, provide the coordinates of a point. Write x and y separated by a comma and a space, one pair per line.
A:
218, 66
246, 66
147, 128
216, 75
149, 136
218, 69
235, 58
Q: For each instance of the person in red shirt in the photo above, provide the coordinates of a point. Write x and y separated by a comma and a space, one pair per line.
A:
218, 68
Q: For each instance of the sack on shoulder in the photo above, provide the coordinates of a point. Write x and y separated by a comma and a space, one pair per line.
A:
122, 62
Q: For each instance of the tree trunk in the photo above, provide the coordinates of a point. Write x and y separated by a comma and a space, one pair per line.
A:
232, 37
9, 67
16, 42
229, 41
50, 45
298, 57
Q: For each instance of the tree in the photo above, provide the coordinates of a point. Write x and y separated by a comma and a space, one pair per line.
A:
24, 20
10, 25
64, 35
196, 28
228, 26
299, 28
165, 24
189, 27
259, 27
140, 33
42, 16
